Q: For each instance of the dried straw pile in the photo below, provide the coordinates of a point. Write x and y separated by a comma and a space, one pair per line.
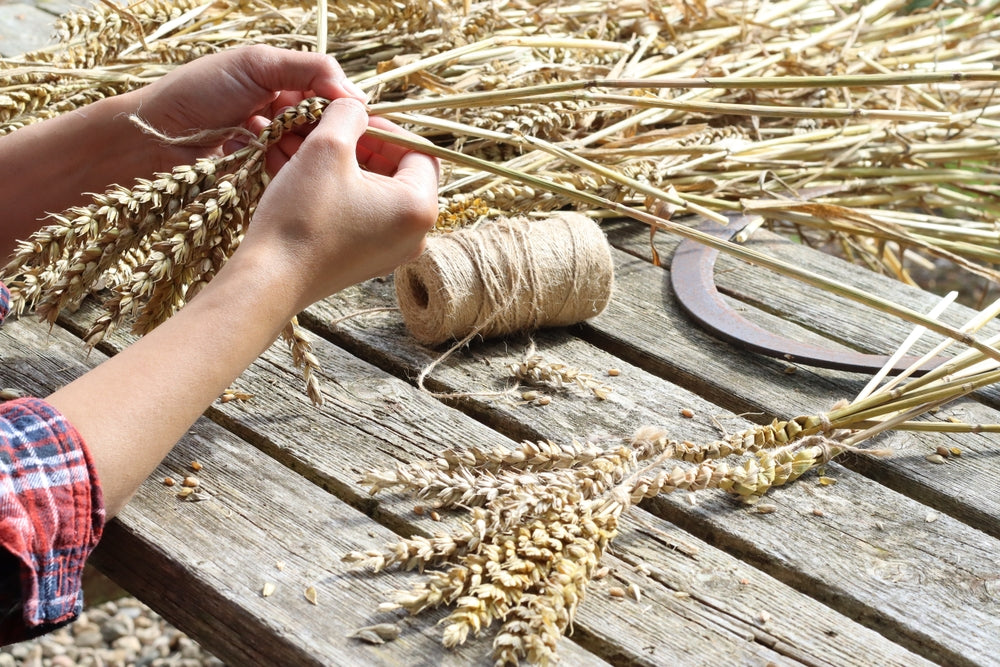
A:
872, 127
874, 123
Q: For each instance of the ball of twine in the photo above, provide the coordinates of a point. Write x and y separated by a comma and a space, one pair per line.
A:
506, 276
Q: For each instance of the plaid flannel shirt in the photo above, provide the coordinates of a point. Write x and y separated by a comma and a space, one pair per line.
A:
51, 515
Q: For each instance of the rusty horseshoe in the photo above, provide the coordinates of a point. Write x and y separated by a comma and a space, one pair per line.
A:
692, 277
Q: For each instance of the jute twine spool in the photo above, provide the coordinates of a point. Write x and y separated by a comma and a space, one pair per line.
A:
506, 276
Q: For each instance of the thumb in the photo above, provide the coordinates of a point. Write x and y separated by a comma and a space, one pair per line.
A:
335, 138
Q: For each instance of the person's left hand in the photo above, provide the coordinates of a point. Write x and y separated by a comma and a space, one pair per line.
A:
242, 87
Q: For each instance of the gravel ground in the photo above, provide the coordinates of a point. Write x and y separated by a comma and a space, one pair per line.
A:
120, 633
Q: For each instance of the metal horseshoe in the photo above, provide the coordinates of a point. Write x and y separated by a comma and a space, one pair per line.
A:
692, 277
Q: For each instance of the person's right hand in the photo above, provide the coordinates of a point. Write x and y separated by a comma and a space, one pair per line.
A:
343, 207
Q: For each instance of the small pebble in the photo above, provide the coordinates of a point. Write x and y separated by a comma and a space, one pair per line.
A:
96, 638
687, 412
614, 372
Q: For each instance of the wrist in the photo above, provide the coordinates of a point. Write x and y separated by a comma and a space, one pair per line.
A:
268, 278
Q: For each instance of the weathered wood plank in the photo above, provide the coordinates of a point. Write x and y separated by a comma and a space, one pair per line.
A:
202, 565
24, 27
372, 421
602, 625
838, 321
659, 336
818, 562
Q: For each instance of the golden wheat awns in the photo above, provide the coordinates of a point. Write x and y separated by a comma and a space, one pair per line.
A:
740, 252
933, 427
539, 96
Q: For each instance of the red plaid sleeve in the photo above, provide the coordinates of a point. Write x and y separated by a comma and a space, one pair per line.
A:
4, 302
51, 513
51, 517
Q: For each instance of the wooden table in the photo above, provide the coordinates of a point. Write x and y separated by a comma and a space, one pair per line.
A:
894, 564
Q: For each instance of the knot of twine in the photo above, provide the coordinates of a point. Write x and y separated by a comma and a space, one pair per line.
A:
506, 276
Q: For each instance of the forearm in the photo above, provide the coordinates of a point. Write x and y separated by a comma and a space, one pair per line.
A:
48, 167
134, 407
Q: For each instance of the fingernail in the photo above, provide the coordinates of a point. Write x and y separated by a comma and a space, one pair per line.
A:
354, 90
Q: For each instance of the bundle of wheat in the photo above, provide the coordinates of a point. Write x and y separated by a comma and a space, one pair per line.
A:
870, 127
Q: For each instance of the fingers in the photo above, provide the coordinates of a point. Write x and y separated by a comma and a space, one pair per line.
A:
381, 156
421, 172
282, 152
348, 120
276, 69
340, 140
336, 136
407, 165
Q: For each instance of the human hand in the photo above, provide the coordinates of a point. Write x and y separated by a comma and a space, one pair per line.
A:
241, 87
343, 208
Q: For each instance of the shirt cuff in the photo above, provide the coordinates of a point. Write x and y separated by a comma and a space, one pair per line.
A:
51, 509
4, 302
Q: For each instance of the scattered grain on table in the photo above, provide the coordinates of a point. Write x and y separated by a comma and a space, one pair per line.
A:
377, 634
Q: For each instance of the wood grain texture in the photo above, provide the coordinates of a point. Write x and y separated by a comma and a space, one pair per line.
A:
720, 582
967, 487
372, 420
202, 565
797, 547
